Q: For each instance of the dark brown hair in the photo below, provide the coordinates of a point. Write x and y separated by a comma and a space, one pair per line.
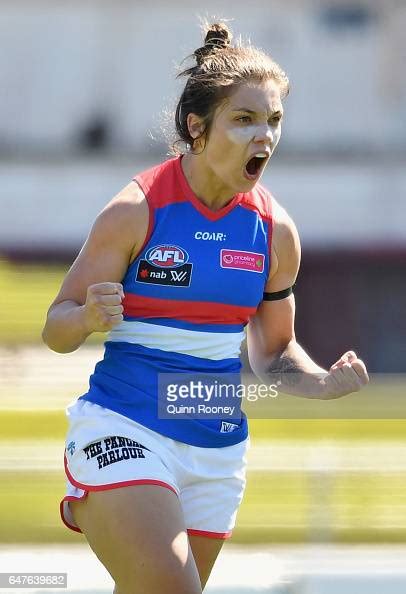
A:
219, 68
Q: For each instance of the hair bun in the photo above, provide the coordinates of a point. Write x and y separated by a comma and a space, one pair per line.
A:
218, 36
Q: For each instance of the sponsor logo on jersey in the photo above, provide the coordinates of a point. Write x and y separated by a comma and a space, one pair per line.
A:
227, 427
167, 256
210, 236
240, 260
166, 265
170, 277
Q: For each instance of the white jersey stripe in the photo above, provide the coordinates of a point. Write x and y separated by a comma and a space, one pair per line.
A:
207, 345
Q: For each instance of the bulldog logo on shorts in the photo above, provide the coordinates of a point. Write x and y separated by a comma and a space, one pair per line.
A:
114, 449
71, 447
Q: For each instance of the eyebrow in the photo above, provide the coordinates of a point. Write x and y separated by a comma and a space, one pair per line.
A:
277, 111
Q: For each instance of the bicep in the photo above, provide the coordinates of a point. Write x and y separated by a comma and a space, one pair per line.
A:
285, 255
272, 327
119, 229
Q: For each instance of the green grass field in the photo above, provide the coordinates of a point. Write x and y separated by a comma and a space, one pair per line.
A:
51, 425
27, 291
279, 506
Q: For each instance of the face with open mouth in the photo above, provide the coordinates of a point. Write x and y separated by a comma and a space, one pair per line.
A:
244, 133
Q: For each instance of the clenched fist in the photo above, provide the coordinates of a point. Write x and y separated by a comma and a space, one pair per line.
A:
347, 375
103, 309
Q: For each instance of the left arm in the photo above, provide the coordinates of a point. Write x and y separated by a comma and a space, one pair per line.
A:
273, 351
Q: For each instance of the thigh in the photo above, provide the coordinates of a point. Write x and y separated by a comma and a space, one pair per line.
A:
205, 551
138, 533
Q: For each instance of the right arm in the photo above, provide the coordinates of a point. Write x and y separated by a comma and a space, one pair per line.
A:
90, 296
274, 354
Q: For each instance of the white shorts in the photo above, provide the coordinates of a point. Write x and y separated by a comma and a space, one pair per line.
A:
105, 450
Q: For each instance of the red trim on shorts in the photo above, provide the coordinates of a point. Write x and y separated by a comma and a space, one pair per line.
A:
87, 488
61, 510
208, 534
115, 485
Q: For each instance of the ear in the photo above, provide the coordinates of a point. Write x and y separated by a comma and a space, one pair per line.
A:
195, 125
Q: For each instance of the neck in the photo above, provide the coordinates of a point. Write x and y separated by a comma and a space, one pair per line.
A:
206, 186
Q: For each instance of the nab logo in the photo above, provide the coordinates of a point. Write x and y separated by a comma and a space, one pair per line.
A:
167, 256
166, 265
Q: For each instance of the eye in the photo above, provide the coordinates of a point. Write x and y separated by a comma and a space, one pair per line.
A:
275, 120
244, 119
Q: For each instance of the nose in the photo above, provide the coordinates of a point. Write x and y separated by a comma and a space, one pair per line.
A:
264, 134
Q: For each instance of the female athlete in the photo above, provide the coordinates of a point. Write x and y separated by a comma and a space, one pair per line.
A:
175, 266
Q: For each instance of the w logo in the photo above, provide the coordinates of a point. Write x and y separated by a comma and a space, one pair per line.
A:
178, 276
227, 427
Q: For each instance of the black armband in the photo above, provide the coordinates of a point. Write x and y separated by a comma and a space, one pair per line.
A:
277, 295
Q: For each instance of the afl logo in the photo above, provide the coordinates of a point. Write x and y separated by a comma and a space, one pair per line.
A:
167, 256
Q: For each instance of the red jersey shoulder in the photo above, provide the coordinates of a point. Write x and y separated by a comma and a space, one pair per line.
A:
160, 183
154, 175
259, 200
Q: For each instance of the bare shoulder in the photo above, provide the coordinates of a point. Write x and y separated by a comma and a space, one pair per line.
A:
285, 235
131, 196
114, 240
125, 217
285, 249
123, 222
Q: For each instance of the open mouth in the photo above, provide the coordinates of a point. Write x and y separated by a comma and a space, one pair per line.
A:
255, 165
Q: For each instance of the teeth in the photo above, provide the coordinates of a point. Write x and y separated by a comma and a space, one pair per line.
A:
263, 155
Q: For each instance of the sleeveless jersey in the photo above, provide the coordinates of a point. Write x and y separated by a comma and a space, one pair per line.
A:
189, 293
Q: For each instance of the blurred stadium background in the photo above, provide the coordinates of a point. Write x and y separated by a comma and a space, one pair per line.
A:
86, 88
